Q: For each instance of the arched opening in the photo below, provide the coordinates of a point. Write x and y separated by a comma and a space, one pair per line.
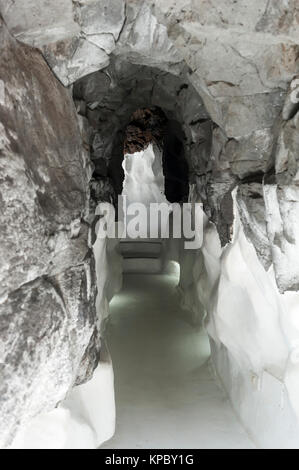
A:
159, 349
170, 139
150, 136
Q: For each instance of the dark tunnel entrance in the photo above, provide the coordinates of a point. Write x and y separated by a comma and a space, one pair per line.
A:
148, 125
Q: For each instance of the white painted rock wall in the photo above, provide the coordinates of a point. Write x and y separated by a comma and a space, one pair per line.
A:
144, 184
254, 333
86, 417
84, 420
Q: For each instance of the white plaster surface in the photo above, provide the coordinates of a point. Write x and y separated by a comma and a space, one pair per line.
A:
253, 330
144, 183
83, 421
166, 395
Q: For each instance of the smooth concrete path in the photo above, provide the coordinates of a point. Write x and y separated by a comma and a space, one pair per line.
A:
166, 395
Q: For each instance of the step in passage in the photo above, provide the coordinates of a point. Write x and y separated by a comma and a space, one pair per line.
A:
139, 249
142, 265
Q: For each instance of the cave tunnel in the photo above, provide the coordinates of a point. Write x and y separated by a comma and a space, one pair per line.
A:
117, 329
158, 347
138, 133
159, 350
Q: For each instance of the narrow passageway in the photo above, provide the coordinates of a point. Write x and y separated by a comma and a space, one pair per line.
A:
166, 395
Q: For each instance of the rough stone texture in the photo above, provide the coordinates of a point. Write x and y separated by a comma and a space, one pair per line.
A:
252, 210
40, 151
68, 58
87, 31
291, 105
76, 37
40, 22
47, 313
101, 190
46, 329
287, 157
282, 211
145, 41
114, 94
240, 61
147, 125
251, 154
242, 58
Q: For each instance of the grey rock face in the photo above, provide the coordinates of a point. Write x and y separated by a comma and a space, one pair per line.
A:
242, 79
101, 191
242, 56
145, 41
48, 164
67, 58
280, 18
251, 154
249, 114
88, 31
39, 23
282, 211
74, 36
111, 97
47, 327
47, 313
291, 105
105, 17
251, 204
287, 156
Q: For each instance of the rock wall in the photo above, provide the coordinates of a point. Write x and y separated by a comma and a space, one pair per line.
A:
86, 417
109, 98
49, 340
253, 331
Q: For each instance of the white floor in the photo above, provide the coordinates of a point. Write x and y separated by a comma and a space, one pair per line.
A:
166, 396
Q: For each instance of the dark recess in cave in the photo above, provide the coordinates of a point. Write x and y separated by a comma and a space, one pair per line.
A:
151, 125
